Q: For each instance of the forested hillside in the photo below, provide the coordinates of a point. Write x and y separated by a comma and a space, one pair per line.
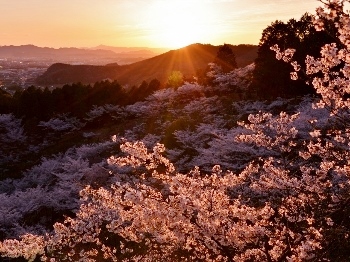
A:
201, 170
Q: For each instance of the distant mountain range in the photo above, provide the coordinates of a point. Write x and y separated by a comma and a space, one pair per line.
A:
188, 60
128, 50
99, 55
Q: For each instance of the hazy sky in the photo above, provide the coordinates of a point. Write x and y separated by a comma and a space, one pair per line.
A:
152, 23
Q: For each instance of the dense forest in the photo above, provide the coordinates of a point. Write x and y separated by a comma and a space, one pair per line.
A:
232, 164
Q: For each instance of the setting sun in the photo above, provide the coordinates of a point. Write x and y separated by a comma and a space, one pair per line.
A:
177, 23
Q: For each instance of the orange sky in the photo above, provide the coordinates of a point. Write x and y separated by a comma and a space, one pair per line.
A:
151, 23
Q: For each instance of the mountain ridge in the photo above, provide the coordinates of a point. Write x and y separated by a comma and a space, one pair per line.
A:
120, 49
189, 60
94, 56
11, 51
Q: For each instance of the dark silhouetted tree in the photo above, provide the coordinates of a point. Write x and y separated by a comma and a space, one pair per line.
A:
153, 86
225, 58
271, 77
6, 103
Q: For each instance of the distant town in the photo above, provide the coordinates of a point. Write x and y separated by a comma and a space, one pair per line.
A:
17, 74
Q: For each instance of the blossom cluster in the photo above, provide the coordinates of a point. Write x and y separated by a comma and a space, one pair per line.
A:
62, 123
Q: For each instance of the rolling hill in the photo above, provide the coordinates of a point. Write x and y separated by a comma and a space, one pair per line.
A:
188, 60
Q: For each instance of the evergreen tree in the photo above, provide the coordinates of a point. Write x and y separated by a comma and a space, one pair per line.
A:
225, 58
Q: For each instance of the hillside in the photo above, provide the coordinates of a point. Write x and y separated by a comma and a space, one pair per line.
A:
188, 60
64, 73
49, 168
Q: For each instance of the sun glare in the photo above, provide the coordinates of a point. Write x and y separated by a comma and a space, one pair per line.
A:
177, 23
